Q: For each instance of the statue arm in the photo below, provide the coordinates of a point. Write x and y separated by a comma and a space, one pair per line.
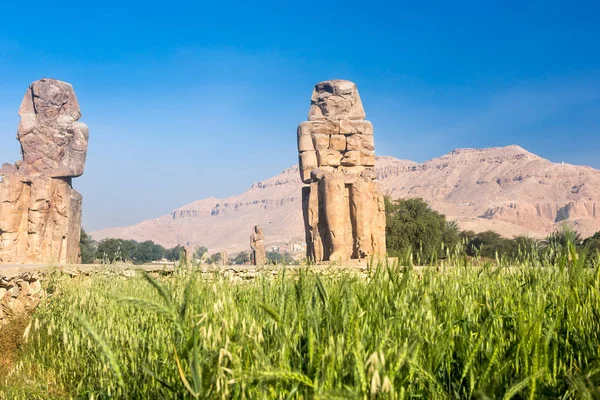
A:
78, 149
7, 169
74, 162
62, 172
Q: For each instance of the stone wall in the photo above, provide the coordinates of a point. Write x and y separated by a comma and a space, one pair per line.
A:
19, 295
22, 287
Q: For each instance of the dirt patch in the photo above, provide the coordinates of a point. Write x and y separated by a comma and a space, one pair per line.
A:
11, 342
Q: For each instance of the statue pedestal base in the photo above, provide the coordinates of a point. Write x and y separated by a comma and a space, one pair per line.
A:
40, 220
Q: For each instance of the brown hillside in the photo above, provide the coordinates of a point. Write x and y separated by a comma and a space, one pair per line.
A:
506, 189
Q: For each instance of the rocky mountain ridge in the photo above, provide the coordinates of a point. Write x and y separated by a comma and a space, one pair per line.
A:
506, 189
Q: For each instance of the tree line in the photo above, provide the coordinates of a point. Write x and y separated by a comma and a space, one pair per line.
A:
414, 229
112, 250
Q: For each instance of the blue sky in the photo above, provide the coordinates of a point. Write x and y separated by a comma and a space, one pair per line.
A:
187, 100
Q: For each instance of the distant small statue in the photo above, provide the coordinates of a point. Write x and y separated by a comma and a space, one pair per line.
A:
257, 244
223, 259
187, 254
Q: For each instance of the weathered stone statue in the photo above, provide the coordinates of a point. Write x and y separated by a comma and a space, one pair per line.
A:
40, 212
344, 213
257, 244
187, 254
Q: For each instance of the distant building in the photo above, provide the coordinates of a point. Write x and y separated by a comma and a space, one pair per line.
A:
299, 247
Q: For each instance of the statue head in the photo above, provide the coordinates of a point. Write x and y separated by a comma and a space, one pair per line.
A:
48, 100
53, 141
335, 100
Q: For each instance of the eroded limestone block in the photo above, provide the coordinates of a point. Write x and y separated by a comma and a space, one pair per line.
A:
320, 142
354, 142
41, 220
309, 159
319, 128
368, 142
351, 158
305, 143
351, 170
337, 142
350, 127
367, 158
329, 157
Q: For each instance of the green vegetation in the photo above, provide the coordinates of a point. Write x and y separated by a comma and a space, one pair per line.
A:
418, 234
200, 251
88, 248
493, 318
112, 250
174, 253
215, 258
412, 226
242, 258
276, 257
474, 332
592, 243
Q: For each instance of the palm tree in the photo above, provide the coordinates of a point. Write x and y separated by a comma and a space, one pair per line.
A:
561, 238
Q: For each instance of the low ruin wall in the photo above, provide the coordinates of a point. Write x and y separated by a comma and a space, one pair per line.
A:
22, 286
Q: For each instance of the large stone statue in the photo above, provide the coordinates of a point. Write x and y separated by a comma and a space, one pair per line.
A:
257, 244
344, 213
40, 212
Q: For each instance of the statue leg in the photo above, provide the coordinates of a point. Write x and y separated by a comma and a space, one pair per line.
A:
308, 233
313, 223
334, 196
362, 214
378, 232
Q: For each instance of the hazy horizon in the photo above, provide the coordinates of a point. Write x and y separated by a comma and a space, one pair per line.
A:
197, 101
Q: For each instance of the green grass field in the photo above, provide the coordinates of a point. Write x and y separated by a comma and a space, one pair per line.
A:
463, 332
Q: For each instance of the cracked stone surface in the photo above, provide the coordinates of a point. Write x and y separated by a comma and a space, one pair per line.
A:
53, 141
40, 212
